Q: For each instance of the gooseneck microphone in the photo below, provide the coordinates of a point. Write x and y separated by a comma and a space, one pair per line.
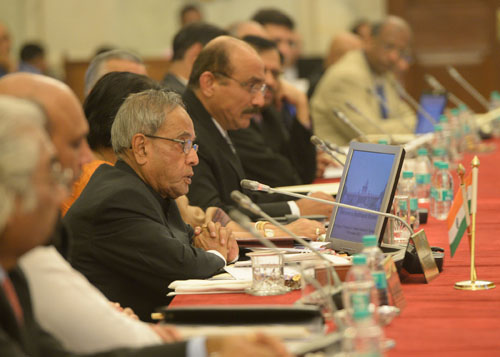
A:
468, 87
257, 186
437, 86
326, 147
349, 123
245, 202
406, 96
368, 119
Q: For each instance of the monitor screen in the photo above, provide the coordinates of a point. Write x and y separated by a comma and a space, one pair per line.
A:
434, 104
369, 181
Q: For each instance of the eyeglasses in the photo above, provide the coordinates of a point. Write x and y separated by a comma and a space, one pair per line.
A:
252, 87
187, 145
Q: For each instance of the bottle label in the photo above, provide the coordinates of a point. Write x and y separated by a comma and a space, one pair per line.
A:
413, 204
360, 301
423, 179
447, 195
441, 195
402, 205
379, 278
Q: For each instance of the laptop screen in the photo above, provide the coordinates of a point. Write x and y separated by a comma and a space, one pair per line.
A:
434, 104
369, 179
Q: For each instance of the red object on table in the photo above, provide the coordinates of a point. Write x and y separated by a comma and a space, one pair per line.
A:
438, 320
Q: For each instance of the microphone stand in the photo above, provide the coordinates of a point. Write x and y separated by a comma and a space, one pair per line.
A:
468, 87
349, 123
368, 120
322, 145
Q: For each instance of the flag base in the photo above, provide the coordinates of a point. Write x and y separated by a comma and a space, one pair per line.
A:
474, 285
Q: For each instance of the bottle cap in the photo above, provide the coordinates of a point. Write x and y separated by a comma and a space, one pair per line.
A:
422, 152
439, 152
383, 142
444, 165
455, 111
359, 259
438, 127
407, 174
462, 107
370, 240
437, 164
443, 118
360, 314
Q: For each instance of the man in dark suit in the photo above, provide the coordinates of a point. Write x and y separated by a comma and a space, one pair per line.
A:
33, 188
188, 43
225, 91
130, 240
269, 151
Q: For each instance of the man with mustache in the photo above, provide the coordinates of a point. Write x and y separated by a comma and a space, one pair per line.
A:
226, 89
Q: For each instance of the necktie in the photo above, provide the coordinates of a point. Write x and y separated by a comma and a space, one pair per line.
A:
379, 88
11, 294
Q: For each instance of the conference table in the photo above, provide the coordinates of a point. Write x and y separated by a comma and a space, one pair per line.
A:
438, 320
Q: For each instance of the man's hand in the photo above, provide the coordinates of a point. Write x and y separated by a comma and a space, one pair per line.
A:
232, 249
246, 346
306, 228
212, 237
127, 310
167, 333
323, 160
308, 207
297, 98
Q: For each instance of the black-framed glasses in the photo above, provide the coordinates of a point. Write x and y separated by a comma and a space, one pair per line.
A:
252, 87
187, 145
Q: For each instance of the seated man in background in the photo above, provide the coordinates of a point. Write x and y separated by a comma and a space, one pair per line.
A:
366, 79
188, 43
225, 91
32, 59
33, 188
130, 240
268, 152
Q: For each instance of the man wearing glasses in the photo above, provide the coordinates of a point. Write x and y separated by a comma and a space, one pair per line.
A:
130, 240
366, 78
226, 89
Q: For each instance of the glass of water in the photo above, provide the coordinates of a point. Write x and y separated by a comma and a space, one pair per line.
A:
267, 274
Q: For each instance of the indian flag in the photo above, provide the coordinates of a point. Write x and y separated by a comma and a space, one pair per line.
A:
458, 219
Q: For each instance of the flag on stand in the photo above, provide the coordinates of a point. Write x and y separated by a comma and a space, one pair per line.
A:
457, 222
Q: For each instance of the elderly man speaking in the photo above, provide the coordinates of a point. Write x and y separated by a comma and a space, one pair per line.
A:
130, 240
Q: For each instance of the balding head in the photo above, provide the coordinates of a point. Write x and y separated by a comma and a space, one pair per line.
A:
340, 45
68, 127
389, 43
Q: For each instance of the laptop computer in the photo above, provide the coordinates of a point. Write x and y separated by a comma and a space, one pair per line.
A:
369, 180
434, 104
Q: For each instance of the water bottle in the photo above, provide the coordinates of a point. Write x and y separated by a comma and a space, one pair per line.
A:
495, 103
423, 170
457, 133
364, 337
438, 155
375, 262
407, 186
471, 135
441, 191
359, 293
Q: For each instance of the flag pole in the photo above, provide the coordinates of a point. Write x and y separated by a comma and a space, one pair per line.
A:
465, 204
473, 283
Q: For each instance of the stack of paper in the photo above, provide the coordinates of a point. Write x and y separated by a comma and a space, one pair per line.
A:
195, 286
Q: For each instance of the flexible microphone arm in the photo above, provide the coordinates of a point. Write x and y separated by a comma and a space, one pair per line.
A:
322, 145
257, 186
367, 119
245, 202
468, 87
403, 93
349, 123
436, 85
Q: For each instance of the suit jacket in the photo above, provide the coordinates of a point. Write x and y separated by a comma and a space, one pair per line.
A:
131, 243
272, 155
348, 80
172, 83
31, 340
219, 171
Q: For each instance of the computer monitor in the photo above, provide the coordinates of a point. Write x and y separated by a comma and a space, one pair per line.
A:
434, 104
369, 180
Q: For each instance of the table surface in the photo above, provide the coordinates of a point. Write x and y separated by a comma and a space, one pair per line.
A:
438, 320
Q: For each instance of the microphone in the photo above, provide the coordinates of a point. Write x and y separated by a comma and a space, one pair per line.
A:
404, 94
468, 87
384, 104
349, 123
367, 119
322, 145
254, 185
242, 200
436, 85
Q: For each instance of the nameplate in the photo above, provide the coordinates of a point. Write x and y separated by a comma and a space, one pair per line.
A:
397, 297
425, 257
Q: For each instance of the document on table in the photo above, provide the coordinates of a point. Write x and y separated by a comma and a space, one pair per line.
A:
245, 273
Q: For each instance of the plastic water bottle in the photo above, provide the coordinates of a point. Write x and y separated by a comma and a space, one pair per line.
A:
359, 293
471, 135
375, 262
364, 337
423, 170
438, 155
448, 139
457, 133
439, 141
407, 186
441, 191
495, 103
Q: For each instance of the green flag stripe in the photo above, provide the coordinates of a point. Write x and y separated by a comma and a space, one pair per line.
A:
458, 236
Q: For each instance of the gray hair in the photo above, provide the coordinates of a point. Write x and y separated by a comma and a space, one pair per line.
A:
96, 66
22, 133
144, 113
